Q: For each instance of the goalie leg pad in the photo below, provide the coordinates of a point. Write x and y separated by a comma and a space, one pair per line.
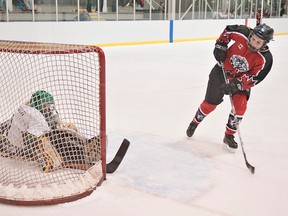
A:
47, 155
93, 148
40, 150
75, 150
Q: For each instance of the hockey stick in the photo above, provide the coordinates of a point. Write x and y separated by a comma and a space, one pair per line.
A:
249, 166
112, 166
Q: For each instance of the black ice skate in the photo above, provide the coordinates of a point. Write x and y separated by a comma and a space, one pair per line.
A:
229, 143
191, 129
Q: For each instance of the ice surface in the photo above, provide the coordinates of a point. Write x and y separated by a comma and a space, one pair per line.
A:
153, 92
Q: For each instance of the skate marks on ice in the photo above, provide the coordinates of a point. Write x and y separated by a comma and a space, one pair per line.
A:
161, 166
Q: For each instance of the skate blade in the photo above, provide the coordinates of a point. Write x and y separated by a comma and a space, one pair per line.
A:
227, 148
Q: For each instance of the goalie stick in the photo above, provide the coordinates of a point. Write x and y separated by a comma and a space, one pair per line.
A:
112, 166
249, 166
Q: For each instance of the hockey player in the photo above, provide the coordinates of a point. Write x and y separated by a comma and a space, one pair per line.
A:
35, 132
246, 63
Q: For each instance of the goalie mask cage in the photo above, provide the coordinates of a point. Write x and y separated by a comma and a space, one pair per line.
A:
75, 76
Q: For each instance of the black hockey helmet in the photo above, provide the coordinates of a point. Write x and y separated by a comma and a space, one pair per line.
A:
264, 32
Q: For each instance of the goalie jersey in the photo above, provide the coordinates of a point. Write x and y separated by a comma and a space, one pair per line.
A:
26, 119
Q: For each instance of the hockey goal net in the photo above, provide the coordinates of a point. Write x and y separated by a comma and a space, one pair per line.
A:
66, 161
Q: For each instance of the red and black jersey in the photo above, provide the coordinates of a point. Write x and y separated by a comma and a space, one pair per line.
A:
249, 67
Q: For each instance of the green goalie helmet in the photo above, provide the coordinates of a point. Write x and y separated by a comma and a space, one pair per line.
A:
40, 98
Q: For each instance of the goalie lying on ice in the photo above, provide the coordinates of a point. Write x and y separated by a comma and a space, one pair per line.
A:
36, 133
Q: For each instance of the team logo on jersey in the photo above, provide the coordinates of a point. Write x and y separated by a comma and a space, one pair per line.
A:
247, 82
239, 63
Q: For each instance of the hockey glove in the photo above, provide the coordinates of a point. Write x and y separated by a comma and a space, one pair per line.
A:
232, 87
220, 51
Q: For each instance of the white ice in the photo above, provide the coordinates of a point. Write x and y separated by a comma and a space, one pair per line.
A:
153, 92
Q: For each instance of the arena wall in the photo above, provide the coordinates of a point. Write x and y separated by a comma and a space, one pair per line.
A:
122, 33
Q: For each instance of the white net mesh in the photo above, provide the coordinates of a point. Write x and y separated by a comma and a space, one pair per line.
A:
52, 114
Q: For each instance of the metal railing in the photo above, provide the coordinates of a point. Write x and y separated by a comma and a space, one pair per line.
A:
116, 10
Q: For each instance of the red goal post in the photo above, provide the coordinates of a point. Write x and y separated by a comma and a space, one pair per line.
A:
32, 173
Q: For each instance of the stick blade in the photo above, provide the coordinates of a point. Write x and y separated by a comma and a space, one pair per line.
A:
113, 165
250, 167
